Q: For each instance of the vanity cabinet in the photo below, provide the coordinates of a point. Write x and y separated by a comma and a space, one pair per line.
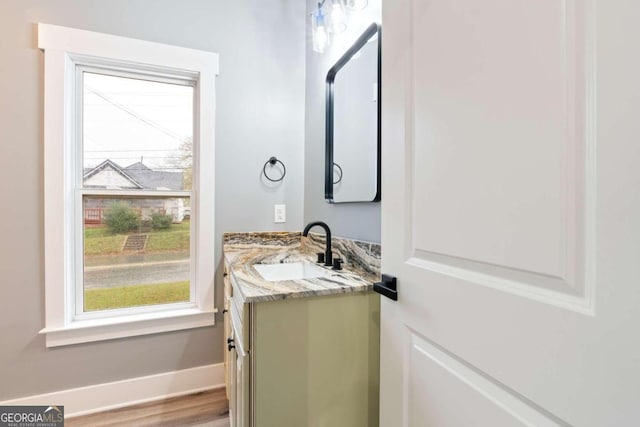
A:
310, 361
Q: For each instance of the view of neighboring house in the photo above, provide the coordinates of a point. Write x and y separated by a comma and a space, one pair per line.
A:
138, 176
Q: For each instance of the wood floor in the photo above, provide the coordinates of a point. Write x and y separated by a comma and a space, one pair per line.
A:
206, 409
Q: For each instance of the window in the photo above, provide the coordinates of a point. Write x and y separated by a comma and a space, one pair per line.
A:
128, 194
136, 136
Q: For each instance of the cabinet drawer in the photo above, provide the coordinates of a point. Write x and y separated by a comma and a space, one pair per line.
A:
228, 289
238, 333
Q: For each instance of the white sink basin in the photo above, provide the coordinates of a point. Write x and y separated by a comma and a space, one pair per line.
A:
290, 271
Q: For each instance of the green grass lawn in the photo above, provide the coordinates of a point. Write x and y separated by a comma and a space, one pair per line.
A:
135, 295
173, 239
100, 241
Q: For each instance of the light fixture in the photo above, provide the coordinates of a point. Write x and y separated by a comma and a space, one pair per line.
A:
357, 4
319, 30
333, 20
338, 17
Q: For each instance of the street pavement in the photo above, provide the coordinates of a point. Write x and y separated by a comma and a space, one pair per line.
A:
136, 273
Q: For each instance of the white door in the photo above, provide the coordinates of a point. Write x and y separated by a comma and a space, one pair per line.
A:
511, 213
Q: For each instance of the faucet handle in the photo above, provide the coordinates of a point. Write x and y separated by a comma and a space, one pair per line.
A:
337, 264
320, 257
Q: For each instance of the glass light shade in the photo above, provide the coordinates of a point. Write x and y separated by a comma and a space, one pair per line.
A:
319, 31
338, 16
357, 4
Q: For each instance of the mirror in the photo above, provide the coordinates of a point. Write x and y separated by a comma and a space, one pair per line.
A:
352, 162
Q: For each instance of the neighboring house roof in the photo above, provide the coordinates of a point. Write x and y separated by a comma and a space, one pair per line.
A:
109, 174
153, 179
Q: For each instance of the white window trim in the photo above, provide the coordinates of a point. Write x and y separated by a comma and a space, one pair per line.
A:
61, 45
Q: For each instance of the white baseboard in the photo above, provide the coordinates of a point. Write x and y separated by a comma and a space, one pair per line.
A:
106, 396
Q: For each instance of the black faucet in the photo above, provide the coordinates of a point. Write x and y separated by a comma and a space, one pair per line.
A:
328, 256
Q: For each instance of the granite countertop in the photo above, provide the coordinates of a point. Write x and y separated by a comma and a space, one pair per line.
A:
243, 250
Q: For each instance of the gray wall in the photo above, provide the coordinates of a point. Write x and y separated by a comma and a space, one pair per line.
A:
260, 112
353, 220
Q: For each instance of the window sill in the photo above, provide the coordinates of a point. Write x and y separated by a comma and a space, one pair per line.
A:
83, 331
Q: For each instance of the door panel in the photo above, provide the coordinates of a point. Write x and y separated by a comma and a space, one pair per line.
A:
510, 214
449, 382
232, 391
501, 133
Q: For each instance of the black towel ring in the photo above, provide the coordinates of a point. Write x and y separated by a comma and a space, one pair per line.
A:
339, 170
272, 161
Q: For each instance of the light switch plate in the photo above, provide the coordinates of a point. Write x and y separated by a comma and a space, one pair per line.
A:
280, 213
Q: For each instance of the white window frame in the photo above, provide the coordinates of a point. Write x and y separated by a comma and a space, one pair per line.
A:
101, 66
65, 50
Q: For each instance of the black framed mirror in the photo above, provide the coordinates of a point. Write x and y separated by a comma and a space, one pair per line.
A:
353, 110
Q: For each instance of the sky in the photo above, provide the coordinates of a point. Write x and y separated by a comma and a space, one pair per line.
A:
126, 120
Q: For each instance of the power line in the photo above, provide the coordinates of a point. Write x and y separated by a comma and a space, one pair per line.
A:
133, 157
134, 114
130, 151
177, 170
